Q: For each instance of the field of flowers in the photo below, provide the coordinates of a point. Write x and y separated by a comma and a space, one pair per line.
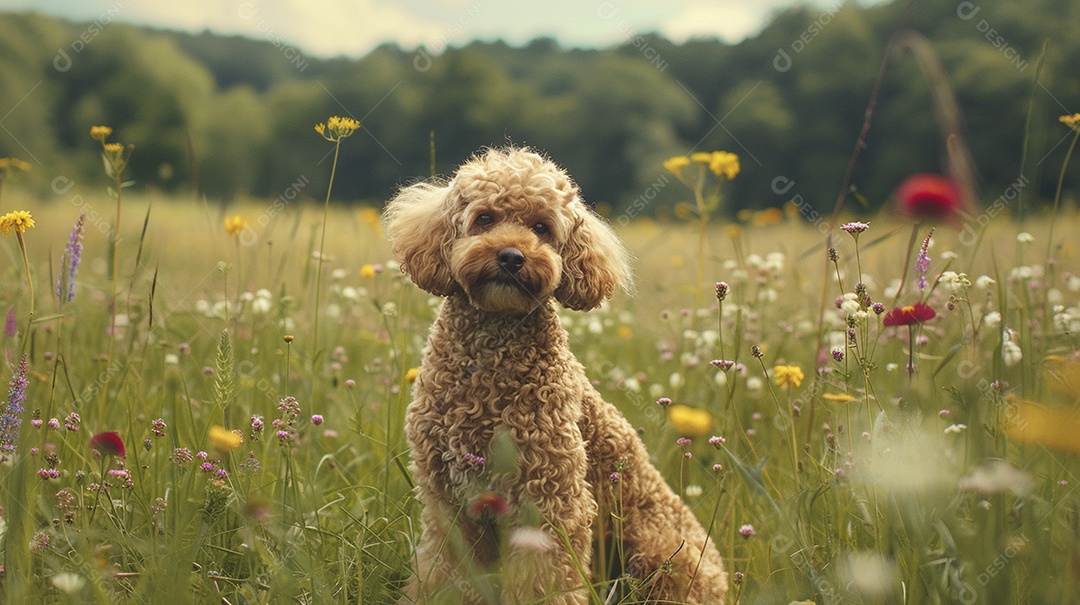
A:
211, 410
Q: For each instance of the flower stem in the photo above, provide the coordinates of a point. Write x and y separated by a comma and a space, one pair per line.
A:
322, 248
26, 263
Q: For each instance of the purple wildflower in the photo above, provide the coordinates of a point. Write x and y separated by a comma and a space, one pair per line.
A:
474, 459
65, 284
10, 418
922, 265
10, 323
747, 531
855, 227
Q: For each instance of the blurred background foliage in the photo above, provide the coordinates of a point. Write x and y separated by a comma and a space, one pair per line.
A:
225, 117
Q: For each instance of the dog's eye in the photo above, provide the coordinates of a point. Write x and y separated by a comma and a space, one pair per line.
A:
540, 228
484, 219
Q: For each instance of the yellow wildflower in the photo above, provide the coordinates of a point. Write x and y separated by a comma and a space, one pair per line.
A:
1055, 428
235, 225
369, 215
1072, 121
411, 374
368, 271
701, 157
675, 164
841, 397
19, 221
768, 216
724, 163
6, 163
100, 133
788, 376
625, 332
689, 421
223, 439
337, 128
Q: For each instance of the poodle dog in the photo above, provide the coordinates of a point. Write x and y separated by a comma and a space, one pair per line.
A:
513, 449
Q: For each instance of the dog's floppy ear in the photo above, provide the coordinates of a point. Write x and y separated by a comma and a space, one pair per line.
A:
595, 262
418, 224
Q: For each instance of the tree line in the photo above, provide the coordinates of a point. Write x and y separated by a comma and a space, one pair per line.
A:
223, 117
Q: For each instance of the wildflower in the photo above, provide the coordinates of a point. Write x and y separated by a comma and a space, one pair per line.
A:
206, 467
69, 265
738, 578
614, 477
107, 444
68, 582
100, 133
676, 164
158, 426
723, 364
412, 374
1011, 353
929, 196
7, 164
788, 376
997, 477
473, 459
531, 539
10, 323
181, 455
40, 542
955, 429
855, 228
717, 468
841, 397
367, 271
54, 424
722, 289
11, 417
1072, 121
724, 164
755, 352
747, 531
488, 504
350, 383
316, 419
878, 308
223, 439
689, 421
693, 491
909, 315
837, 355
235, 225
716, 441
922, 264
289, 405
337, 128
18, 221
663, 402
683, 442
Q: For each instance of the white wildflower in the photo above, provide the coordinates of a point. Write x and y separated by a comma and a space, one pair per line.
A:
1024, 237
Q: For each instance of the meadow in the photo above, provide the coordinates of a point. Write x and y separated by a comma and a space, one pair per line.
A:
208, 420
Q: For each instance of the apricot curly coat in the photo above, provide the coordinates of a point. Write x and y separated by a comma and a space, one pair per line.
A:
502, 241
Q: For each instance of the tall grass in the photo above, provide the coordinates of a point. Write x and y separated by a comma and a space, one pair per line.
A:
858, 483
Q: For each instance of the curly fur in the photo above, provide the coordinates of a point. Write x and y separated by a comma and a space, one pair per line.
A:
498, 369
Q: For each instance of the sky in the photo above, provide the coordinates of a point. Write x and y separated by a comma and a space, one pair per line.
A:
326, 28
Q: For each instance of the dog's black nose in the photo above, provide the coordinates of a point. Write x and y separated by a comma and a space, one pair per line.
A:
510, 259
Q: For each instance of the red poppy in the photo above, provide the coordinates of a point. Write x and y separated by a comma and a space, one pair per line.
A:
488, 503
908, 314
930, 196
108, 443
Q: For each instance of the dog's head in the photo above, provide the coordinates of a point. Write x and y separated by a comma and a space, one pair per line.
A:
509, 231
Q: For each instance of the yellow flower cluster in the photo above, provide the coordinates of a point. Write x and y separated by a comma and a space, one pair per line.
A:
688, 421
235, 225
723, 164
100, 133
224, 440
1072, 121
337, 128
367, 271
18, 221
788, 376
7, 163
